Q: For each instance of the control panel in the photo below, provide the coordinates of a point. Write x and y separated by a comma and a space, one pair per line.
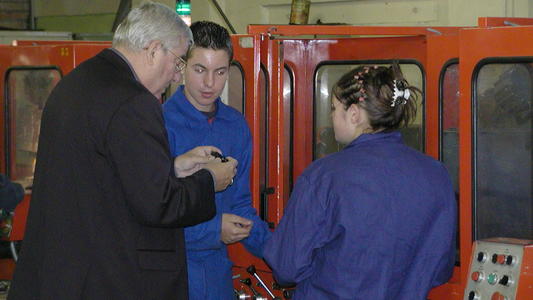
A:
497, 268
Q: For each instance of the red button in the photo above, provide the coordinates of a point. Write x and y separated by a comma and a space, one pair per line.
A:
501, 259
475, 276
498, 296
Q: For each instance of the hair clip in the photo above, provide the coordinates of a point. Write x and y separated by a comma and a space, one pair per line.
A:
405, 94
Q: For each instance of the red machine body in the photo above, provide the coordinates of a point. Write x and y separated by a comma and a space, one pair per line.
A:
280, 80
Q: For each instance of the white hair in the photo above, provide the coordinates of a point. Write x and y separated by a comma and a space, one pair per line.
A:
151, 22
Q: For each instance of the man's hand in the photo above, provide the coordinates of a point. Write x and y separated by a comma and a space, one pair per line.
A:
223, 172
234, 228
190, 162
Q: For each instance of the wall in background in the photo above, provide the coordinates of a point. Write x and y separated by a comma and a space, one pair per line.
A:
86, 16
15, 14
363, 12
97, 16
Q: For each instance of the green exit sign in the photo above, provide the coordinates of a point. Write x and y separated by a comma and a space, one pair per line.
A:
183, 8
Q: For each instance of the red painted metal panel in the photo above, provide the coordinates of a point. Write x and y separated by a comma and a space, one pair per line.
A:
495, 21
304, 56
346, 30
54, 55
504, 42
440, 50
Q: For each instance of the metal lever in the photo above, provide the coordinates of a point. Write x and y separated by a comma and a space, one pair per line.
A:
248, 282
287, 293
251, 270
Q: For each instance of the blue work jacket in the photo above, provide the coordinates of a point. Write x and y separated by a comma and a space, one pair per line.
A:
376, 220
209, 267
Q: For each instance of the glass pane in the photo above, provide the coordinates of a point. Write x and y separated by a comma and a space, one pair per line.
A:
450, 134
450, 122
326, 76
233, 94
287, 104
28, 91
263, 151
503, 199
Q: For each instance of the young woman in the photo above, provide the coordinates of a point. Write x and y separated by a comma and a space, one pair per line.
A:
375, 220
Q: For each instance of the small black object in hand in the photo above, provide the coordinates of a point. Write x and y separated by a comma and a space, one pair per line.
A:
218, 155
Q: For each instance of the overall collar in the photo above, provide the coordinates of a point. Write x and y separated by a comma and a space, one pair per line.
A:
192, 113
387, 137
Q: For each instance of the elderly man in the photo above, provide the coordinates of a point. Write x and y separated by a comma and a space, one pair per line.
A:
107, 203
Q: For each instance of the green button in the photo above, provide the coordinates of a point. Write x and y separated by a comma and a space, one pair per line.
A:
492, 278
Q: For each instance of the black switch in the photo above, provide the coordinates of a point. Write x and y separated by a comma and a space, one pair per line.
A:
481, 256
504, 280
494, 258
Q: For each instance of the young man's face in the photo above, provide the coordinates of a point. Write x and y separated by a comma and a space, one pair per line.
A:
205, 77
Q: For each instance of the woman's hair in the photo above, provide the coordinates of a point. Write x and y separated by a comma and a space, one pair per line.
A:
382, 92
151, 22
210, 35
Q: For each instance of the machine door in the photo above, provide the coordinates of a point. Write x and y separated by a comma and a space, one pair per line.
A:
442, 122
496, 85
429, 62
317, 64
29, 73
248, 91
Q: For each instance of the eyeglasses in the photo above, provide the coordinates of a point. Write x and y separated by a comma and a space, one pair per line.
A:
180, 62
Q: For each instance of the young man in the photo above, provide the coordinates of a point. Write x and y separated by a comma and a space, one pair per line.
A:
107, 207
195, 116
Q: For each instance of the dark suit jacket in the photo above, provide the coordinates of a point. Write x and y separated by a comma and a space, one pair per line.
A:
106, 207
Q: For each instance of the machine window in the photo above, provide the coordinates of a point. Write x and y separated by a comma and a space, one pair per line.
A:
233, 94
502, 149
326, 75
449, 118
288, 93
263, 150
450, 122
27, 90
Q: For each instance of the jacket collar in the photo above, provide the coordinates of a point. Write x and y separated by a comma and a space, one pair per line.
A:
387, 137
181, 103
118, 61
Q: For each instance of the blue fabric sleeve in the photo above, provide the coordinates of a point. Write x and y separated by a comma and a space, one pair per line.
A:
242, 200
204, 236
300, 233
11, 193
446, 226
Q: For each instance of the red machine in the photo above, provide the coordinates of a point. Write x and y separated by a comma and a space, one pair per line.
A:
29, 72
461, 71
476, 118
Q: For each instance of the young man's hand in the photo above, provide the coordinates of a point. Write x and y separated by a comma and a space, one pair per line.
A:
234, 228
